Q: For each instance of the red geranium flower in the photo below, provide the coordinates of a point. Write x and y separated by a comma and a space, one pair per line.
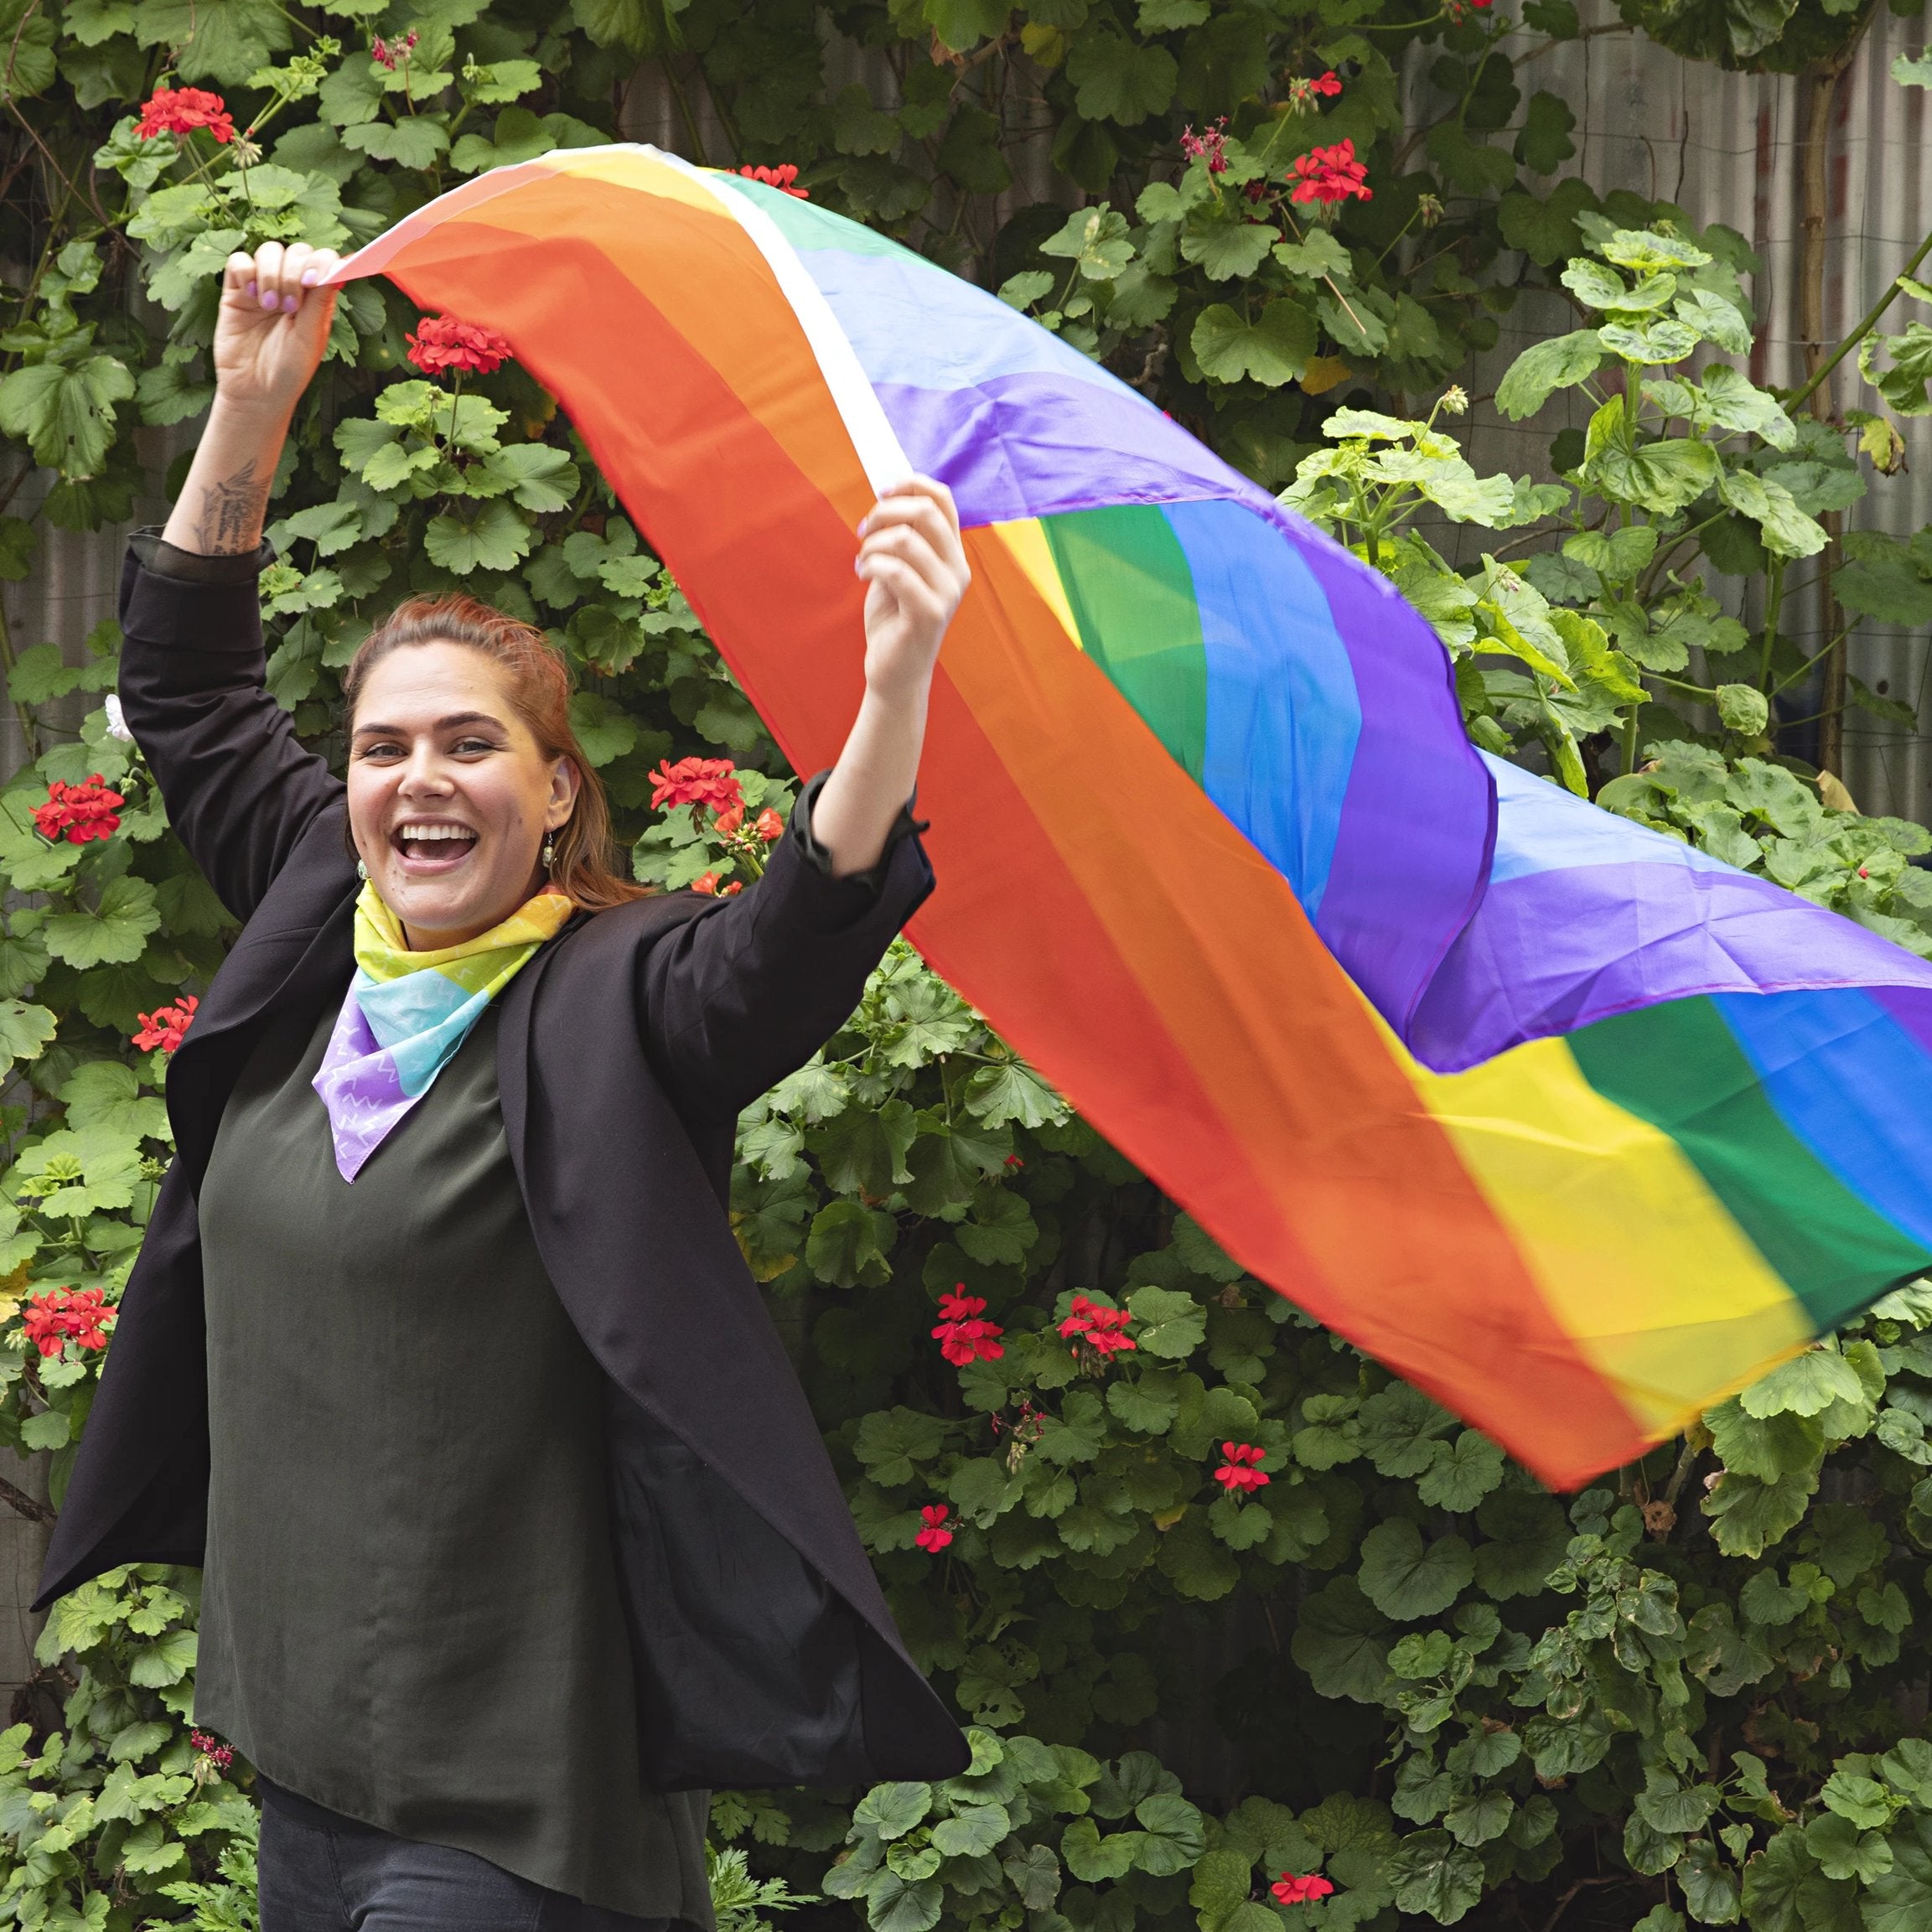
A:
933, 1538
781, 177
708, 883
440, 342
53, 1317
1292, 1891
961, 1336
1238, 1474
695, 781
211, 1748
769, 825
181, 110
1099, 1332
1329, 84
78, 812
1331, 175
164, 1027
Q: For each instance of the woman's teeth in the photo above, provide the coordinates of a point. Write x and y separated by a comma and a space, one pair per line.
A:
434, 841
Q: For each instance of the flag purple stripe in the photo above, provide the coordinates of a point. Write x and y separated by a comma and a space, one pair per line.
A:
1029, 445
1550, 951
1418, 818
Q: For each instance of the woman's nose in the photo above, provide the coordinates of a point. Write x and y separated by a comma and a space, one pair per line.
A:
423, 774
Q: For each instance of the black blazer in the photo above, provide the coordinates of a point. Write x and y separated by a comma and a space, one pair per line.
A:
764, 1650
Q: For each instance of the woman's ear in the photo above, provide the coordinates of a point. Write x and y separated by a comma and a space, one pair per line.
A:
566, 782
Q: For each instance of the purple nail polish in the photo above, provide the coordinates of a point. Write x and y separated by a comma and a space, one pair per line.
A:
291, 303
309, 278
252, 289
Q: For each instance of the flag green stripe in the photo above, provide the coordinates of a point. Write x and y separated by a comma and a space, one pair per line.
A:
1678, 1066
1132, 595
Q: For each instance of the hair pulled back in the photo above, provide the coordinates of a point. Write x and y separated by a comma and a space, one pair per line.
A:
538, 683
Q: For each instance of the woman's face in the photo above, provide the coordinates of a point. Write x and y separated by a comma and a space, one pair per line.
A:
449, 795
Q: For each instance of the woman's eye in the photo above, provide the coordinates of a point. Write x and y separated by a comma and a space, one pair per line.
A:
469, 746
381, 751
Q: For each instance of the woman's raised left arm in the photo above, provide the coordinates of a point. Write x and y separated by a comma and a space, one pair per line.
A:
737, 999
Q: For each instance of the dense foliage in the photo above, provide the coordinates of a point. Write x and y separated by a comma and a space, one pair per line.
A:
1248, 1634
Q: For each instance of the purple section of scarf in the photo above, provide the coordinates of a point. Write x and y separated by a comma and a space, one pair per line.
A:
1552, 951
358, 1084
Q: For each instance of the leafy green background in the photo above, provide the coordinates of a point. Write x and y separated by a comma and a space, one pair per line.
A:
1695, 1693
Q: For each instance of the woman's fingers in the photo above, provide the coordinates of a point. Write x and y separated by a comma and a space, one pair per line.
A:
274, 280
925, 551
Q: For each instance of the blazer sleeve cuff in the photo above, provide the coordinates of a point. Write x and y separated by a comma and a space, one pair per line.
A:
214, 611
162, 558
902, 827
884, 896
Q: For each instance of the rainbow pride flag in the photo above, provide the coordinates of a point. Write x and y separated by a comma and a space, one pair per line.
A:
1576, 1128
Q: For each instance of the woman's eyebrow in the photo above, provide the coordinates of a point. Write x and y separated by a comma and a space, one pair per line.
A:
455, 720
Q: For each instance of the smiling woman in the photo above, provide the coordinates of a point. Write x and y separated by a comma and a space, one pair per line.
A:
440, 1354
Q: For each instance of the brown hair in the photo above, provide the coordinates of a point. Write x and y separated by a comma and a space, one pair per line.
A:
539, 686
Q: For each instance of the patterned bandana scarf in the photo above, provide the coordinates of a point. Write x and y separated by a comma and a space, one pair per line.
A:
407, 1013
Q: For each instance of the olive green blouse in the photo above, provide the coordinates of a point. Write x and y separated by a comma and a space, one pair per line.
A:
410, 1614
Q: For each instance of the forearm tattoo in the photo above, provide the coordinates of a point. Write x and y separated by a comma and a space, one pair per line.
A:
231, 512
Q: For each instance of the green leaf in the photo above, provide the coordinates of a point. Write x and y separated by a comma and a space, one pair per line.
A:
1341, 1639
1463, 1473
891, 1810
24, 1031
1844, 1851
1479, 1817
1663, 476
894, 1905
1544, 143
1226, 250
221, 40
66, 414
1750, 1516
1008, 1093
1167, 1322
1096, 238
1119, 81
1273, 350
1787, 530
1900, 1900
537, 477
1806, 1386
1742, 707
1435, 1876
116, 933
414, 141
1401, 1429
1545, 367
1172, 1835
848, 1243
163, 1663
1406, 1579
1093, 1859
489, 535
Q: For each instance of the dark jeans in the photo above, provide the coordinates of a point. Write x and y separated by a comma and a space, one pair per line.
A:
321, 1873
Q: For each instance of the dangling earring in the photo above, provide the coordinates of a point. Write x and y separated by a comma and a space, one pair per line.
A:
362, 872
549, 853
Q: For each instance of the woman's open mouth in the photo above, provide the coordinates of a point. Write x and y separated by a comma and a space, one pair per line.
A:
431, 844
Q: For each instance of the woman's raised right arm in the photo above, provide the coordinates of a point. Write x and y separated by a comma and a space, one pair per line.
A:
240, 787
